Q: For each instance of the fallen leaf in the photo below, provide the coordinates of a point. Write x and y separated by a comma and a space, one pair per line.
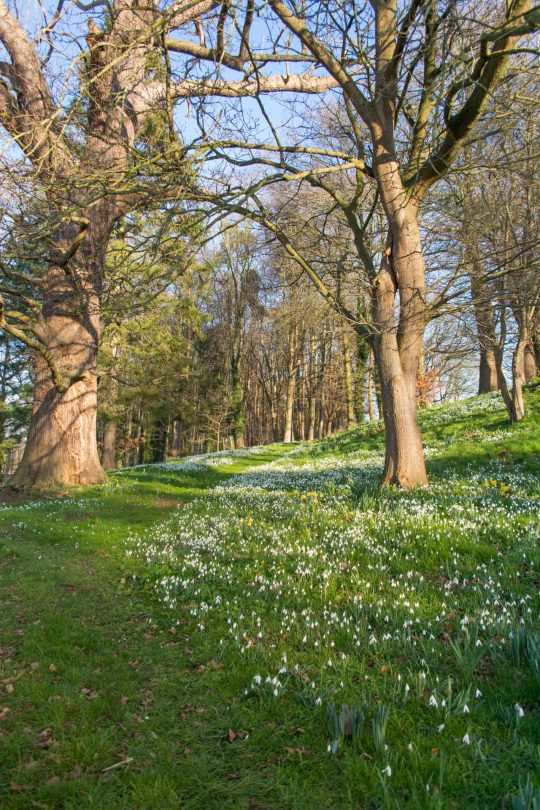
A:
44, 738
52, 667
17, 788
297, 750
232, 736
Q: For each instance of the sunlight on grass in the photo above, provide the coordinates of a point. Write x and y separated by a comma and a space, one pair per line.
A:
266, 629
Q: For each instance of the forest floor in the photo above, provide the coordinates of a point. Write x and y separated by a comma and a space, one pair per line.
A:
264, 629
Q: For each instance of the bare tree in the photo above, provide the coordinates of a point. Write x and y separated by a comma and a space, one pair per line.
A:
415, 80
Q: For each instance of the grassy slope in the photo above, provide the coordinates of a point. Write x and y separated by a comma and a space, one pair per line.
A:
101, 665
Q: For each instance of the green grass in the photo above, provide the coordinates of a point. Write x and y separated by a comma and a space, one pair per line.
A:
267, 630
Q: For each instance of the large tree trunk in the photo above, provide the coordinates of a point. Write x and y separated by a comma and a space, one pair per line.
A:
61, 448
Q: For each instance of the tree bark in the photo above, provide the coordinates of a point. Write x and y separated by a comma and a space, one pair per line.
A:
237, 407
291, 385
398, 347
487, 374
530, 369
518, 378
349, 388
108, 456
61, 448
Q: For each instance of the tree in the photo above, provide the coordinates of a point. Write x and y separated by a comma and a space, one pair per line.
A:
416, 81
91, 156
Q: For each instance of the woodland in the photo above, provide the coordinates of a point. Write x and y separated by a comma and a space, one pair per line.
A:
269, 399
228, 223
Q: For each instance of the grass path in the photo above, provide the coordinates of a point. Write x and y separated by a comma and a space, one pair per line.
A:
92, 676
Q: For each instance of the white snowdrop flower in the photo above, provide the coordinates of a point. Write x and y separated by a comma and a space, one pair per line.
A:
329, 748
329, 662
440, 728
433, 701
282, 671
387, 770
519, 710
410, 746
257, 679
318, 701
466, 709
304, 640
478, 693
466, 740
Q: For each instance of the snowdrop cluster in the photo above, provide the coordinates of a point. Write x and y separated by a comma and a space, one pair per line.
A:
409, 593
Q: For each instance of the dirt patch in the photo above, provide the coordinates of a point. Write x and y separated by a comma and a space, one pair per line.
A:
69, 516
10, 497
168, 503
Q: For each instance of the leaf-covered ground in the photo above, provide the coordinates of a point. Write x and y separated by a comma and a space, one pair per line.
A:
264, 629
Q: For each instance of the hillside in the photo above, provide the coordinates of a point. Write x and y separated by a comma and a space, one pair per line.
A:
265, 629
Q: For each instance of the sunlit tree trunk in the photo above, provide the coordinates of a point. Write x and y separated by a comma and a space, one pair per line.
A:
61, 447
398, 347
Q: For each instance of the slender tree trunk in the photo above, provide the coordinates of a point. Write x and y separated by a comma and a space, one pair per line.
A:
108, 456
398, 348
530, 369
371, 386
518, 378
503, 385
238, 415
349, 387
291, 385
487, 374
